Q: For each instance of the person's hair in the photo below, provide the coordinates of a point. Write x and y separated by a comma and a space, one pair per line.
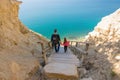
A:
55, 30
65, 39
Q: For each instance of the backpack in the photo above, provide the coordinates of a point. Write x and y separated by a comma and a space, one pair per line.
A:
55, 38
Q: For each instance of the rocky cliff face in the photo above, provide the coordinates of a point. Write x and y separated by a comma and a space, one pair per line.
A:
10, 26
105, 40
107, 30
17, 44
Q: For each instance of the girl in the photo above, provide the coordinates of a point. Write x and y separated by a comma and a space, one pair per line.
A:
65, 44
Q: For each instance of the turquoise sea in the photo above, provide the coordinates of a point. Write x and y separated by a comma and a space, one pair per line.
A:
72, 18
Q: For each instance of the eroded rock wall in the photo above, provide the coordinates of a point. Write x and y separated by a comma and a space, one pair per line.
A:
20, 51
105, 40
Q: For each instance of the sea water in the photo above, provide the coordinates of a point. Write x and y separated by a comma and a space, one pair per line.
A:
72, 18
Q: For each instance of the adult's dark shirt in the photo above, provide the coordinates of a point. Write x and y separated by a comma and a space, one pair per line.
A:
55, 38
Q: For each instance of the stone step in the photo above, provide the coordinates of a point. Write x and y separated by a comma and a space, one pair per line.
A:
64, 59
62, 65
87, 78
61, 71
71, 56
75, 62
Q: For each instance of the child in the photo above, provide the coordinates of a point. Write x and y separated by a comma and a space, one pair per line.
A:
65, 44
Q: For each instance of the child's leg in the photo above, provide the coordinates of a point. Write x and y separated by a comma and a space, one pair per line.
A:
65, 48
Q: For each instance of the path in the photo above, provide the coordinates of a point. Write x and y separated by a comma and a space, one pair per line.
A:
62, 65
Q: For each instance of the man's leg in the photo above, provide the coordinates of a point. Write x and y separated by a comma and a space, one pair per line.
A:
55, 48
58, 47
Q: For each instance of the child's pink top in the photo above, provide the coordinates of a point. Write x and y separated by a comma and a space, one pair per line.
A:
66, 43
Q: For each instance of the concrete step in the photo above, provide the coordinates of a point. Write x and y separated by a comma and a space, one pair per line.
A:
59, 60
62, 65
61, 71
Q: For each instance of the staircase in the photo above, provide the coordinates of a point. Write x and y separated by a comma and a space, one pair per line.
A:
62, 66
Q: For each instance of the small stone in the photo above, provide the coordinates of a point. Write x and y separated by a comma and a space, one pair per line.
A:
82, 71
117, 57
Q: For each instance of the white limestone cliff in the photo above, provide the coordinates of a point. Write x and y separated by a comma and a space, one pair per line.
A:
106, 40
107, 30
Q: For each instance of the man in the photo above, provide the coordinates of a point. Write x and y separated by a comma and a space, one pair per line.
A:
55, 39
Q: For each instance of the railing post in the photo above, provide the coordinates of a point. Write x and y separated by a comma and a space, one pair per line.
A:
87, 46
71, 43
43, 52
49, 44
42, 46
44, 56
76, 44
